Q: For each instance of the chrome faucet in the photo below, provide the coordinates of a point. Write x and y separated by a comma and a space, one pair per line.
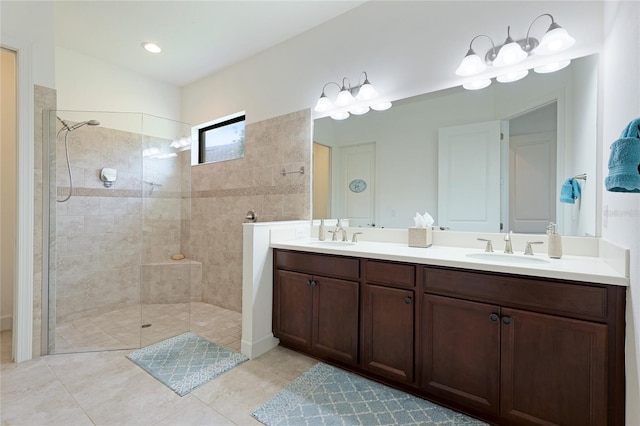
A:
489, 247
508, 248
528, 249
341, 230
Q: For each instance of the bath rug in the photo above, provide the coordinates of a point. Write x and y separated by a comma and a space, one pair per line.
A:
186, 361
325, 395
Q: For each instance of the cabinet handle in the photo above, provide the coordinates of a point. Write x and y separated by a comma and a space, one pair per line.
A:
494, 317
309, 282
506, 320
407, 300
314, 283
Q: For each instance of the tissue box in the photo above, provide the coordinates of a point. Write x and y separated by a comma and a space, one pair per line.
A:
420, 237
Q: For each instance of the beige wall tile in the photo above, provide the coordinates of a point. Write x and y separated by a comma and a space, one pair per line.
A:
223, 193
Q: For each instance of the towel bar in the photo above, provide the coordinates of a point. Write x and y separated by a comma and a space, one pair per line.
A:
301, 171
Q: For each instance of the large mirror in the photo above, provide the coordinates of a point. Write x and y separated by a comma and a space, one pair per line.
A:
492, 160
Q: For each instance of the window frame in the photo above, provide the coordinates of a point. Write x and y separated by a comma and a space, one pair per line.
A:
226, 121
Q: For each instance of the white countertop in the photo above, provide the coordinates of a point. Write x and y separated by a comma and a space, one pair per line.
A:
575, 268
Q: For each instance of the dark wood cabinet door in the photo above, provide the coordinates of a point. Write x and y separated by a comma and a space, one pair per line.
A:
553, 370
335, 318
292, 295
460, 351
388, 332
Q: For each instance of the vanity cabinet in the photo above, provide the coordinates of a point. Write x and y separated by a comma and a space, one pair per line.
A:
388, 309
314, 308
509, 349
539, 356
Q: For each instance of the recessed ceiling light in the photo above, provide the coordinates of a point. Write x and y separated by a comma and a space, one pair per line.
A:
151, 47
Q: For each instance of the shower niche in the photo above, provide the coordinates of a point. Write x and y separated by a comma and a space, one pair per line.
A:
111, 281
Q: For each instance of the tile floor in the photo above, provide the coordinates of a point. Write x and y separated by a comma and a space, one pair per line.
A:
105, 388
120, 329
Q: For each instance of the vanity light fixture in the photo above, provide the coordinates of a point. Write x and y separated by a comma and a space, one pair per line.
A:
512, 76
151, 47
366, 98
555, 40
509, 53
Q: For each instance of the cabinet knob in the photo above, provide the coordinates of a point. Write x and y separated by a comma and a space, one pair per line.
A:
314, 283
494, 317
309, 282
506, 320
407, 300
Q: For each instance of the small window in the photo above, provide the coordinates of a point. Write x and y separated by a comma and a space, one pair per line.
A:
222, 140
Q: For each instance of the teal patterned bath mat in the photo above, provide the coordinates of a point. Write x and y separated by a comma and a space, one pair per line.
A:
186, 362
325, 395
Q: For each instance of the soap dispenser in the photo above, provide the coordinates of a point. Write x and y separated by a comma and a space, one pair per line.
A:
321, 231
555, 241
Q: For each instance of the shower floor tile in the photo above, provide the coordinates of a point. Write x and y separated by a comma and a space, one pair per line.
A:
121, 328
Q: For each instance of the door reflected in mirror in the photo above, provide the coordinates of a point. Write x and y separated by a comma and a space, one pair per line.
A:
548, 124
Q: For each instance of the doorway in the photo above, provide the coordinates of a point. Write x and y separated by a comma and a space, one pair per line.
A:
321, 181
8, 198
532, 170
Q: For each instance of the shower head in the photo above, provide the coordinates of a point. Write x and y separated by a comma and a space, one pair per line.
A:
89, 122
68, 128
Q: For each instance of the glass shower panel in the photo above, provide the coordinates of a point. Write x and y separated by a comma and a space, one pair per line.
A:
167, 277
95, 231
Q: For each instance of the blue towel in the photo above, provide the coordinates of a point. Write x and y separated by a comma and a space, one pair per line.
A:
570, 191
624, 161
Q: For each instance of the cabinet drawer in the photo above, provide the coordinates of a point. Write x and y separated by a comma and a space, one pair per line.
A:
320, 264
396, 274
538, 294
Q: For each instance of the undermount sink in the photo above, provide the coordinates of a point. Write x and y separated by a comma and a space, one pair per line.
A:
508, 258
332, 243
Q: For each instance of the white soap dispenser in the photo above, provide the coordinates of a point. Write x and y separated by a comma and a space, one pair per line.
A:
555, 241
321, 231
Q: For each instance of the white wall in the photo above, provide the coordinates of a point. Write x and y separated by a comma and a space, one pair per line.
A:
84, 83
585, 126
38, 33
621, 216
399, 44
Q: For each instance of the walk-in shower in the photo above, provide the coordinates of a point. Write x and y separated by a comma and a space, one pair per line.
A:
109, 261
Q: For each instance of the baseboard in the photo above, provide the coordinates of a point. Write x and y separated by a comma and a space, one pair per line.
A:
255, 349
6, 323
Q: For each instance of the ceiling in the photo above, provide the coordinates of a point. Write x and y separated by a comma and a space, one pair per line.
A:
197, 38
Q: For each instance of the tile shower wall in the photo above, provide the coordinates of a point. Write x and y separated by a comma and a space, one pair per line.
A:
100, 231
44, 99
222, 193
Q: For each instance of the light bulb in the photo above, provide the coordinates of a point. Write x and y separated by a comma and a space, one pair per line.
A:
477, 84
555, 40
366, 92
553, 67
382, 106
151, 47
471, 65
510, 54
512, 76
323, 104
340, 115
359, 110
344, 98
